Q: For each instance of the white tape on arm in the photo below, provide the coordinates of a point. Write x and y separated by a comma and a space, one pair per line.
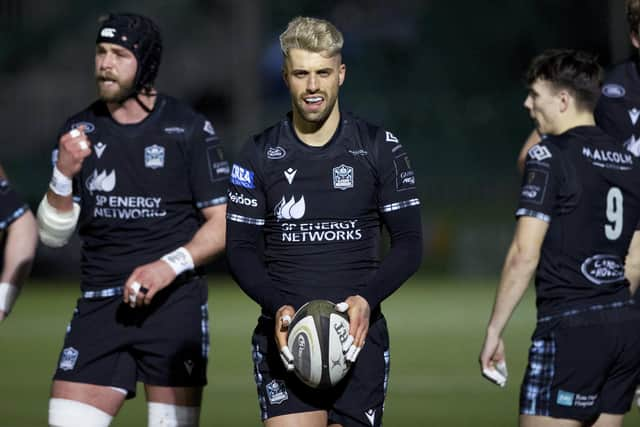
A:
55, 227
179, 260
60, 183
8, 295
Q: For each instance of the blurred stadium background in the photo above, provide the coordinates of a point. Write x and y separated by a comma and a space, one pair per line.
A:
444, 77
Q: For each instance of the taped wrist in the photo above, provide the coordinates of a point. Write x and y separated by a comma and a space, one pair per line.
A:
8, 295
55, 227
60, 183
179, 260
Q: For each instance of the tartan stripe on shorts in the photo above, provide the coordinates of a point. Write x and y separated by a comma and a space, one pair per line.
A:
535, 393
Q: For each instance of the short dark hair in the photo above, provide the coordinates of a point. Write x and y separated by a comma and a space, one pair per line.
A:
633, 15
575, 71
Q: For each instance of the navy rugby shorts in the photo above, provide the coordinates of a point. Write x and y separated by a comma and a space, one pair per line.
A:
356, 401
583, 366
166, 343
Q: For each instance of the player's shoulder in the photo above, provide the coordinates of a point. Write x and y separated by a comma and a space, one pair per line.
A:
618, 78
365, 130
86, 117
176, 109
275, 141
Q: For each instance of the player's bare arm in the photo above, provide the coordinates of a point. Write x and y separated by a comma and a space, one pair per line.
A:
519, 266
632, 263
22, 239
532, 139
147, 280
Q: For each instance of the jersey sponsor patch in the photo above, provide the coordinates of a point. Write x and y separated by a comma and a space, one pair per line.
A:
603, 269
613, 90
102, 181
539, 152
154, 156
242, 177
534, 187
343, 177
290, 209
608, 158
289, 174
241, 199
634, 114
405, 176
632, 145
99, 148
88, 126
174, 130
276, 153
218, 167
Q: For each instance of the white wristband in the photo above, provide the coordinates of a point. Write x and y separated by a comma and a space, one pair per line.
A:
8, 295
179, 260
60, 183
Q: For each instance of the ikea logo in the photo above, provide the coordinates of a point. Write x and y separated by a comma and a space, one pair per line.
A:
242, 177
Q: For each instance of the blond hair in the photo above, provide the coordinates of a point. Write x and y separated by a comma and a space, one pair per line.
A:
312, 34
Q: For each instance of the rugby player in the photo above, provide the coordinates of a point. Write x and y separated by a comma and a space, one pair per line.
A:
20, 235
316, 188
576, 219
618, 108
144, 178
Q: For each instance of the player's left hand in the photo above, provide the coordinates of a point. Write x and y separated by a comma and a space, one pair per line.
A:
359, 315
493, 364
146, 281
281, 334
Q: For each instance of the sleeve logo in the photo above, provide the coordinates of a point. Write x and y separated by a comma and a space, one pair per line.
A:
539, 152
242, 177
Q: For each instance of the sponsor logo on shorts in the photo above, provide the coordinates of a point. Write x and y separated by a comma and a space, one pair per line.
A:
342, 177
565, 398
154, 157
603, 269
371, 416
277, 392
242, 177
69, 358
276, 153
613, 90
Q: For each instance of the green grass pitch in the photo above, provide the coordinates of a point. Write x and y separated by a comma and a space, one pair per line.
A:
436, 328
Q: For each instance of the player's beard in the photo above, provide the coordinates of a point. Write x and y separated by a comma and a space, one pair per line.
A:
118, 92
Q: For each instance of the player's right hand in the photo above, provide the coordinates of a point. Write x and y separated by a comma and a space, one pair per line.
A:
283, 319
73, 148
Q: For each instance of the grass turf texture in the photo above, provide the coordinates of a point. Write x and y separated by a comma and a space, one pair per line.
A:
436, 328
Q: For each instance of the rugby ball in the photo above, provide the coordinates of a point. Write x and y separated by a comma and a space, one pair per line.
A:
316, 334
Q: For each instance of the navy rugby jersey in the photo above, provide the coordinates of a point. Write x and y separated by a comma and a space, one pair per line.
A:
11, 206
142, 188
618, 108
319, 211
587, 187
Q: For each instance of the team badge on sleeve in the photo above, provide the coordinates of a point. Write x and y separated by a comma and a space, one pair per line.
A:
342, 177
405, 176
208, 128
242, 177
68, 359
534, 187
154, 156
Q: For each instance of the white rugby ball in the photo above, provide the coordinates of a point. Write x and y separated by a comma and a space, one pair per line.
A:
316, 334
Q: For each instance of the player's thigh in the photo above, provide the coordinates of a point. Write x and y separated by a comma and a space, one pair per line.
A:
307, 419
181, 396
105, 398
608, 420
539, 421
